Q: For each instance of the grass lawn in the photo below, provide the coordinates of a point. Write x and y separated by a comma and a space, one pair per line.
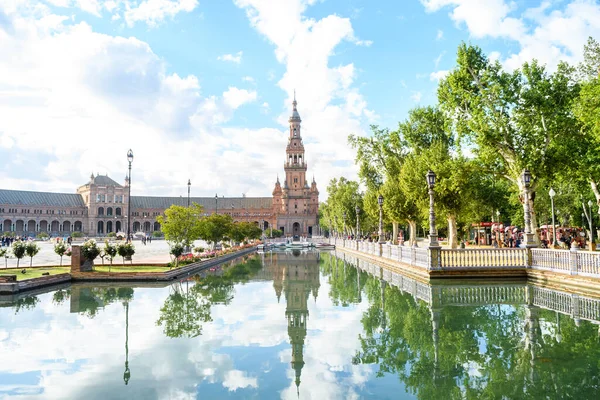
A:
33, 272
121, 268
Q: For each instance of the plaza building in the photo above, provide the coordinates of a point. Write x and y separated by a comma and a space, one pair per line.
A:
99, 206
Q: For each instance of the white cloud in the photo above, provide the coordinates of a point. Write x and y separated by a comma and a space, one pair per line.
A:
83, 84
549, 34
265, 107
438, 75
439, 59
416, 97
327, 99
440, 35
153, 12
366, 43
235, 58
235, 97
248, 79
236, 379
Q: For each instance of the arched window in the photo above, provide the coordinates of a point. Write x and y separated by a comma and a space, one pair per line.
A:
100, 227
118, 211
295, 132
100, 210
109, 213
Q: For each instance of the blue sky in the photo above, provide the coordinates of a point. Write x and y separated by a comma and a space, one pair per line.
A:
201, 89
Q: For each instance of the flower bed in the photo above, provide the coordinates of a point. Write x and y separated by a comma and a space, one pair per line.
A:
190, 258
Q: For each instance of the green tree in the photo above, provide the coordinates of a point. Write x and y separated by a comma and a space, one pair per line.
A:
215, 227
31, 249
111, 251
126, 250
4, 254
587, 110
181, 225
176, 250
276, 233
60, 249
244, 230
18, 249
515, 120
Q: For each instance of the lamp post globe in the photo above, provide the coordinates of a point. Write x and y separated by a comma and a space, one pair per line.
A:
433, 241
552, 193
130, 160
380, 232
216, 204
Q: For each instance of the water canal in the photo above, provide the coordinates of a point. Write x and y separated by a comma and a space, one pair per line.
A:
304, 324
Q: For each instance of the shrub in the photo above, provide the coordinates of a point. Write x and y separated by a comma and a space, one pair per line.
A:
111, 234
4, 253
31, 249
18, 250
157, 234
90, 250
177, 250
126, 250
110, 250
199, 249
42, 235
76, 234
60, 249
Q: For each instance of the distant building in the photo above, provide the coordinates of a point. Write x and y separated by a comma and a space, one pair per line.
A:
100, 205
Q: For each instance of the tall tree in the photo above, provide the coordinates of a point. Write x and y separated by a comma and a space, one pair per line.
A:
181, 225
520, 119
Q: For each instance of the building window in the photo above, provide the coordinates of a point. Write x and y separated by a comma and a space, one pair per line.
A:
100, 210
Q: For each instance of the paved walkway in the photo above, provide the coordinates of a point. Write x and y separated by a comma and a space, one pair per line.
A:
155, 252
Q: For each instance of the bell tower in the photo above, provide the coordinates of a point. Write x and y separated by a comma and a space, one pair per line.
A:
297, 201
295, 166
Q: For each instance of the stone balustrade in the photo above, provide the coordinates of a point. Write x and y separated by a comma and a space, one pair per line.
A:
576, 306
572, 262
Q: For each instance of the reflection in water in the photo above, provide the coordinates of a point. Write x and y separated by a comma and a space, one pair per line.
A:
209, 336
481, 341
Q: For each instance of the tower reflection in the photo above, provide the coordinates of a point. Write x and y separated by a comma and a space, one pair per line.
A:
296, 275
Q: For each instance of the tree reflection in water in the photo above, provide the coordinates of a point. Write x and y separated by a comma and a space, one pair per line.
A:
188, 307
510, 351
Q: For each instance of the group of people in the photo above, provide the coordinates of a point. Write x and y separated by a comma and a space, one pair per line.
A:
7, 241
146, 239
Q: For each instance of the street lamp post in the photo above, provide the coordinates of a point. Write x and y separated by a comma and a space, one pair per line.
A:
189, 185
344, 218
433, 237
591, 221
552, 193
357, 209
380, 233
498, 229
130, 160
216, 204
528, 237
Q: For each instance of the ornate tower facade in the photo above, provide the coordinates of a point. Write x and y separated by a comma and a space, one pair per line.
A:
297, 203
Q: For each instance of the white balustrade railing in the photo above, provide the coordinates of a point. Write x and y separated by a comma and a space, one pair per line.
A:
551, 259
588, 263
483, 258
572, 262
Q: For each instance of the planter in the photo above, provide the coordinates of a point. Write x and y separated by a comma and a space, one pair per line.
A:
87, 266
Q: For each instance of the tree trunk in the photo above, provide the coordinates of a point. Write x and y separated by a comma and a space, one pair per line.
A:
452, 232
594, 186
412, 224
394, 233
61, 260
